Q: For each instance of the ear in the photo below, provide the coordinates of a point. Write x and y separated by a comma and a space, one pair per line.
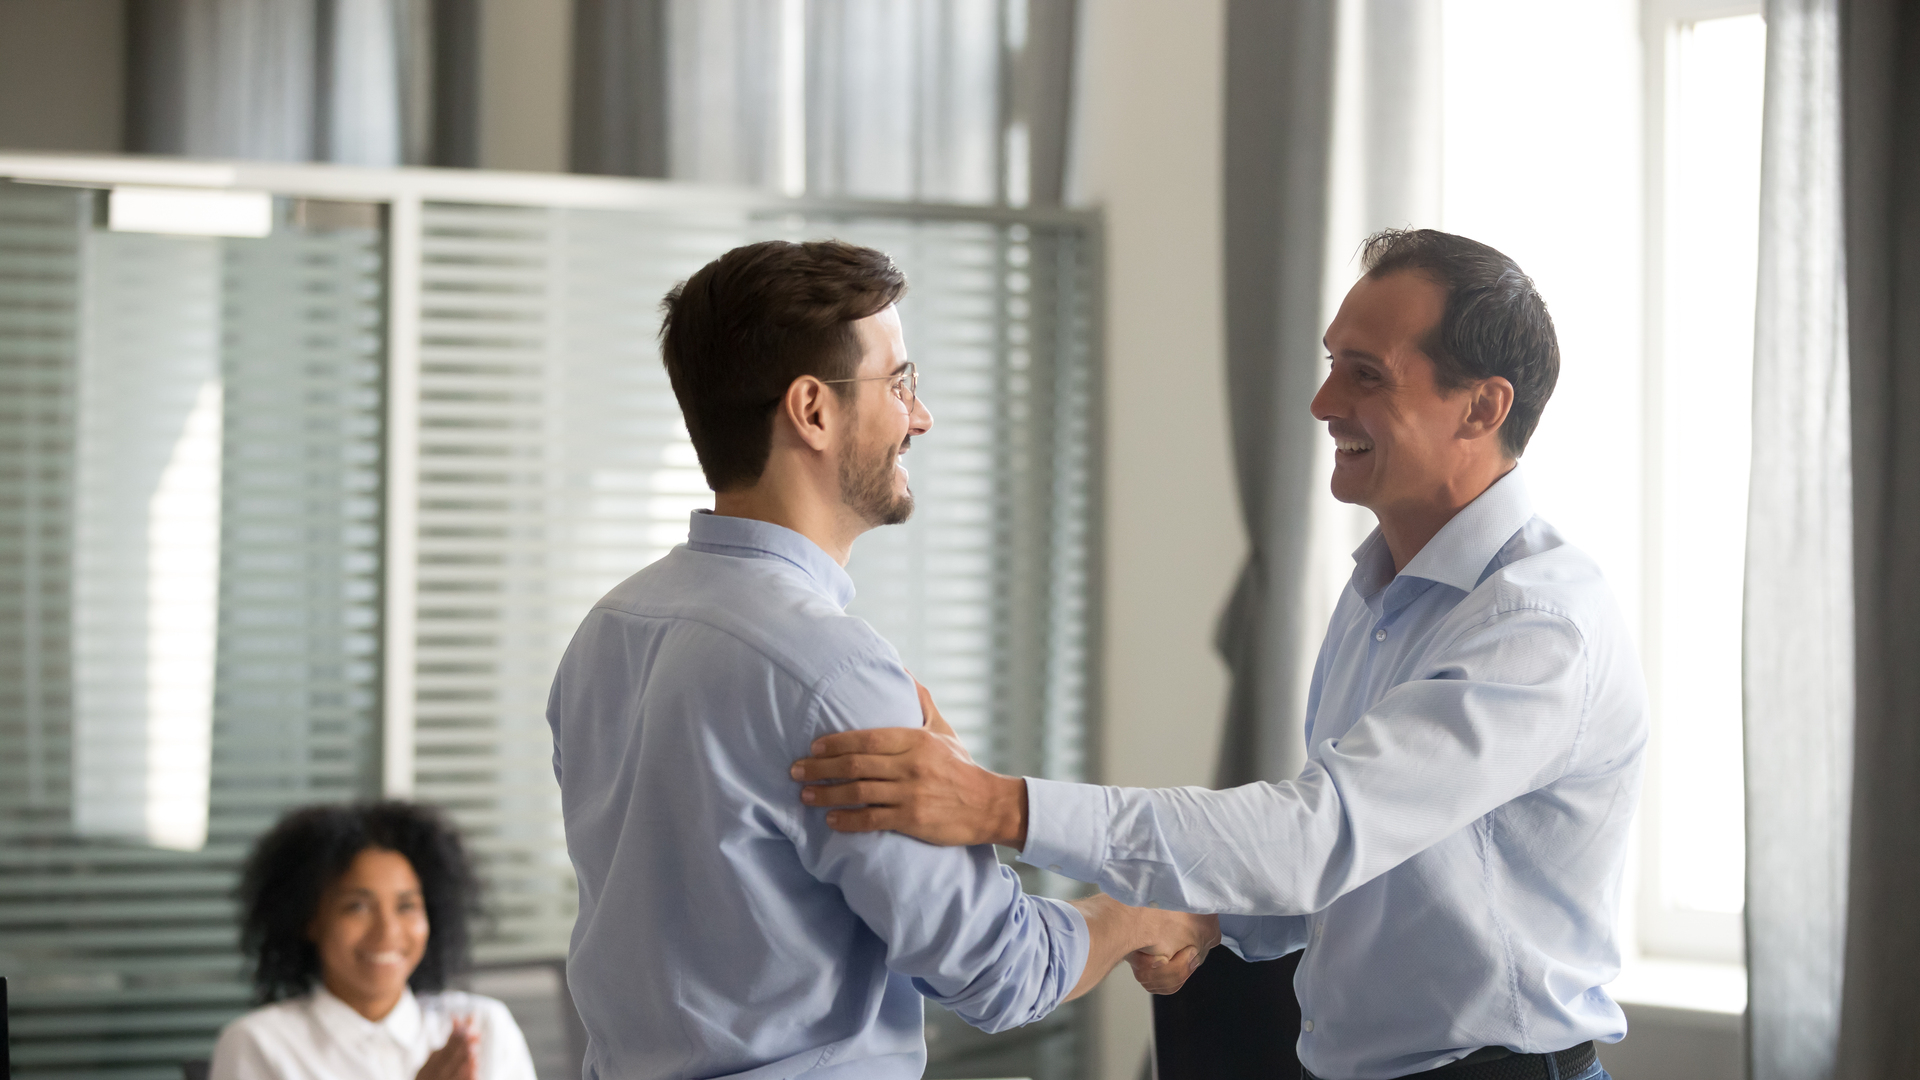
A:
1488, 403
810, 411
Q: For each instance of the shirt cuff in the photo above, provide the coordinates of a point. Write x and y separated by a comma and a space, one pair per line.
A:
1067, 827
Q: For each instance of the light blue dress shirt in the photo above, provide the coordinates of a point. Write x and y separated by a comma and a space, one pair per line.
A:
724, 930
1450, 856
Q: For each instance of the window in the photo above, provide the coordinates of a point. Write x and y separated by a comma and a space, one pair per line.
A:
1612, 148
1703, 217
388, 456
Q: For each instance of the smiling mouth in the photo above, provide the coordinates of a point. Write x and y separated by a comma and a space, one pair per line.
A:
1351, 446
387, 958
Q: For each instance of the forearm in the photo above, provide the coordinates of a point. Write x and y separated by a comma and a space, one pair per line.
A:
1113, 931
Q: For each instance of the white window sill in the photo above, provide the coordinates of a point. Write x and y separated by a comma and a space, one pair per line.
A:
1692, 985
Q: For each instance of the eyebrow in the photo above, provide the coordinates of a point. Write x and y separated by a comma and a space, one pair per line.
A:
1357, 354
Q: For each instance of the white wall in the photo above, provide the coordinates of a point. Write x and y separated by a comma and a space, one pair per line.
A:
1148, 152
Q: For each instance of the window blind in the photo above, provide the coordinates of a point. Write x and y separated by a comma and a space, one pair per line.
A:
551, 463
121, 955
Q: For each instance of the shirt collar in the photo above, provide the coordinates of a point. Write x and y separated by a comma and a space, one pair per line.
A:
347, 1026
1459, 553
718, 534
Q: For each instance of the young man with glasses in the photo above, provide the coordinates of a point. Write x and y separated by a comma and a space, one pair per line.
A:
723, 932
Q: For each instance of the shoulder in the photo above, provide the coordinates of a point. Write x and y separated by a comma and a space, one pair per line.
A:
1540, 571
254, 1044
276, 1016
759, 607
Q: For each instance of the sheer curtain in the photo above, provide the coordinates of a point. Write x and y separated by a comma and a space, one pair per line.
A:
1799, 593
271, 80
924, 100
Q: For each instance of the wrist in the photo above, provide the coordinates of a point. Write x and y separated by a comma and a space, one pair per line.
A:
1011, 813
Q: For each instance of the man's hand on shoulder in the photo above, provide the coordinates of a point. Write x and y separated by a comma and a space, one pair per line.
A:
917, 781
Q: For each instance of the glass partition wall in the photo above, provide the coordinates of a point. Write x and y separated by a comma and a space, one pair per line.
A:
309, 513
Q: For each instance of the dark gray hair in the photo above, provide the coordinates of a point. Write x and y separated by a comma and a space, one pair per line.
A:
1495, 322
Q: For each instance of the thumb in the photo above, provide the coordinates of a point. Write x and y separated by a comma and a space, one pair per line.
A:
929, 712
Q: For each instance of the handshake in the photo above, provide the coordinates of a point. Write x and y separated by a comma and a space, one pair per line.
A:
1162, 947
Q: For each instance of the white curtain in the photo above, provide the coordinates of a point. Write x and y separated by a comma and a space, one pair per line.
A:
903, 100
923, 100
1799, 662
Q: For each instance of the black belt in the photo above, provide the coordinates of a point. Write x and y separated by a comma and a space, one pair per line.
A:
1499, 1063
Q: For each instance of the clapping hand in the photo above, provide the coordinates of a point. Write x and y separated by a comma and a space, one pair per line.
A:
1181, 944
459, 1059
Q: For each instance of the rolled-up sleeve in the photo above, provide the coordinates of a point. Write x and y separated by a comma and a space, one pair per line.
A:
953, 919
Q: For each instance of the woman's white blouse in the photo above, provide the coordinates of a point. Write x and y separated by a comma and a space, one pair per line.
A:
320, 1037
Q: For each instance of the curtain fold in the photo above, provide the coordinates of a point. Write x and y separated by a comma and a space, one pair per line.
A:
1799, 634
619, 122
1881, 68
270, 80
1279, 141
962, 101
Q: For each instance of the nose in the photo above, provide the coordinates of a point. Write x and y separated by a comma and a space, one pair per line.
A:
919, 418
1326, 404
389, 930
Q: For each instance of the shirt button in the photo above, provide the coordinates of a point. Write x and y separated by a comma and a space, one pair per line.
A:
1380, 634
1306, 1025
1153, 903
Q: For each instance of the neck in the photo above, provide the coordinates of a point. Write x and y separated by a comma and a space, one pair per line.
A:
373, 1006
1408, 526
808, 504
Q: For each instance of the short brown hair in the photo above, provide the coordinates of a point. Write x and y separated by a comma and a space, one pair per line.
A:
743, 327
1495, 322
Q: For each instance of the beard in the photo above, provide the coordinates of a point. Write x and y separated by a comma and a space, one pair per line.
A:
866, 485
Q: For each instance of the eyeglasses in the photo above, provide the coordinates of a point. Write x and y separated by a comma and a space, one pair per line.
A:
904, 383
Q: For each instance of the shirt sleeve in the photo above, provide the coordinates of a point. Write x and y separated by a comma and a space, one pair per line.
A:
953, 919
1499, 714
1263, 937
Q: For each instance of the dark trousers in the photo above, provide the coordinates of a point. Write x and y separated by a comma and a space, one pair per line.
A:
1233, 1020
1240, 1021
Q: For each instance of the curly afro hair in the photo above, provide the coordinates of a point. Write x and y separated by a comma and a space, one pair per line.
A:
309, 849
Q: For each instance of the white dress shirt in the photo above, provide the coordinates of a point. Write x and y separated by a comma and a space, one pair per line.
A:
1450, 856
320, 1037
